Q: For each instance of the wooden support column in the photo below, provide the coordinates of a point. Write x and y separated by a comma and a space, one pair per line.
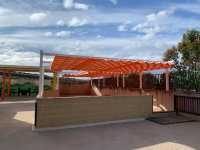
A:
123, 80
140, 80
3, 84
98, 81
117, 80
103, 81
91, 82
9, 76
167, 80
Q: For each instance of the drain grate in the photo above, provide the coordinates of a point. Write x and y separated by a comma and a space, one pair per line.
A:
170, 120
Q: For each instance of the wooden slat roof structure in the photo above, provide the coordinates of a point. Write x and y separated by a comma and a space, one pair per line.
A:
98, 67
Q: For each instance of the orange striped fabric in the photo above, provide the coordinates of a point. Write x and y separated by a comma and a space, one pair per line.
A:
97, 67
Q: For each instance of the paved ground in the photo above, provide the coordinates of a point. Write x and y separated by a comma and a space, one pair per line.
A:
16, 117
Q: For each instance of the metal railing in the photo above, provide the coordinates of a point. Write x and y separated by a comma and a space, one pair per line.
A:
187, 104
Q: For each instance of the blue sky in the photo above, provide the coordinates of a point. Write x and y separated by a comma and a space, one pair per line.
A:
132, 29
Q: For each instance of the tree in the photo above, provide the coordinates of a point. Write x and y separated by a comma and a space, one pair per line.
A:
186, 57
172, 54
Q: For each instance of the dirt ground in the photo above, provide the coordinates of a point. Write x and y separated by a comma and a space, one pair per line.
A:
17, 115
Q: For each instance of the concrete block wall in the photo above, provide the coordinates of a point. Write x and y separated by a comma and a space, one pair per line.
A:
56, 112
162, 100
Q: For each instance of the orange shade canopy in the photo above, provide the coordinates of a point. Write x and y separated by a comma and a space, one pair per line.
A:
97, 67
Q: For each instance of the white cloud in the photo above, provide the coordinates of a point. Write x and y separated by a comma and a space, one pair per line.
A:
48, 34
76, 22
150, 31
99, 36
3, 11
80, 6
97, 16
160, 15
149, 38
60, 23
148, 46
63, 34
70, 4
76, 48
37, 16
15, 54
121, 28
144, 48
141, 25
154, 29
114, 1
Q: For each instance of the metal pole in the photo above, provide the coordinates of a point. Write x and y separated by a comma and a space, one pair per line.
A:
41, 70
167, 80
42, 79
140, 80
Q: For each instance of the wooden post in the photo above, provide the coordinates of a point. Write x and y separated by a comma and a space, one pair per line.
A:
91, 82
140, 80
104, 81
167, 80
123, 80
98, 81
3, 84
117, 80
9, 76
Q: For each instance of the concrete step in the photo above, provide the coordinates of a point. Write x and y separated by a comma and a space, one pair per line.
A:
164, 114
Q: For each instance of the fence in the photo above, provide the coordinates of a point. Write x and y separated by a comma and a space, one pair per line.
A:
187, 104
188, 81
149, 81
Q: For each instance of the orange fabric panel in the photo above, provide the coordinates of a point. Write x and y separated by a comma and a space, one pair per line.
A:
96, 67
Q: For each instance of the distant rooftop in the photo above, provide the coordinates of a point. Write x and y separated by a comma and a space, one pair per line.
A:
22, 68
